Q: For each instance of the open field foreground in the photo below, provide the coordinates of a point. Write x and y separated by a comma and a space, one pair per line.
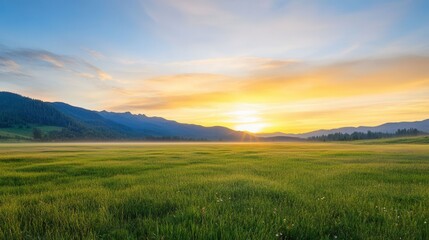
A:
214, 191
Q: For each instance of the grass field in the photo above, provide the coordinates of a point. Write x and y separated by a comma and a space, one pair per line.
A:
400, 140
214, 191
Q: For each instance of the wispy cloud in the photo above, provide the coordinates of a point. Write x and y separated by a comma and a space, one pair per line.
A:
290, 92
8, 66
232, 65
43, 58
299, 29
95, 54
302, 81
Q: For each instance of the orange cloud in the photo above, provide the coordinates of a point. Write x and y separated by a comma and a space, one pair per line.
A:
295, 97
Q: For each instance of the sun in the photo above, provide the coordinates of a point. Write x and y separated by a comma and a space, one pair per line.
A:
250, 127
247, 120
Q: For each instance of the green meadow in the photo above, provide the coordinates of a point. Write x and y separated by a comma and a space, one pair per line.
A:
214, 191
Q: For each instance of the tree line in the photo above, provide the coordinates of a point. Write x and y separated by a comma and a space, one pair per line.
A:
368, 135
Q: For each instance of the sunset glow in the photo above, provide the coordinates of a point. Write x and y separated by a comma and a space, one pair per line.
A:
247, 120
250, 127
287, 66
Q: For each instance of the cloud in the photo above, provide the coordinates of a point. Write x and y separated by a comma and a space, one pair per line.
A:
49, 58
177, 101
31, 58
299, 29
348, 78
232, 65
8, 66
190, 83
95, 54
103, 75
281, 82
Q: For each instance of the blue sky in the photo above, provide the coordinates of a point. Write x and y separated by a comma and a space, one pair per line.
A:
170, 30
141, 55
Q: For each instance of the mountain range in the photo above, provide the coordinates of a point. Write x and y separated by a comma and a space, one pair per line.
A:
61, 121
422, 126
75, 123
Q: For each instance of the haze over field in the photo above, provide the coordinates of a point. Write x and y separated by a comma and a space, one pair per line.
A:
259, 66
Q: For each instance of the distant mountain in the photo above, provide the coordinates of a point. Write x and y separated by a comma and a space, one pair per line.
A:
93, 120
384, 128
160, 127
82, 124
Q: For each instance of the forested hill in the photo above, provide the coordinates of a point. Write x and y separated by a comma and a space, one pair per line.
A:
18, 110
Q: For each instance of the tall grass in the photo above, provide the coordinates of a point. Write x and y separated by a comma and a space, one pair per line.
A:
214, 191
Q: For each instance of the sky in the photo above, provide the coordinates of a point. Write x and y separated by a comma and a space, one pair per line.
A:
258, 66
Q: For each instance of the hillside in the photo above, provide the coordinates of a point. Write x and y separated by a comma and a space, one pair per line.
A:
17, 110
25, 132
92, 120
